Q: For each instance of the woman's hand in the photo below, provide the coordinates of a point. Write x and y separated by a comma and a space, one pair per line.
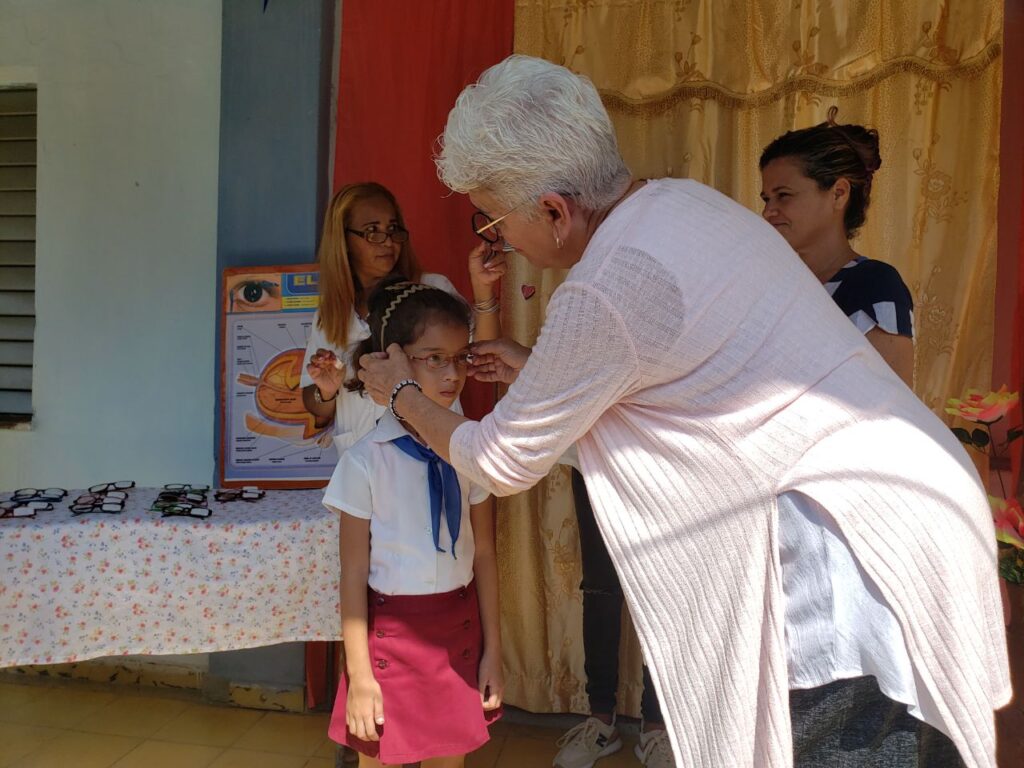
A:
487, 265
327, 372
499, 360
364, 709
381, 371
492, 681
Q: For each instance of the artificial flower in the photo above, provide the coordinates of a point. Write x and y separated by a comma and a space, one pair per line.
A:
985, 408
1008, 517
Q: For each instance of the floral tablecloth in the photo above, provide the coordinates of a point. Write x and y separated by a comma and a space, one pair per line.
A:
254, 573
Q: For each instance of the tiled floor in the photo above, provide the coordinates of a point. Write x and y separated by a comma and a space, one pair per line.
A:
54, 727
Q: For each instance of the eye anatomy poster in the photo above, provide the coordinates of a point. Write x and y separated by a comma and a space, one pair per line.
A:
268, 436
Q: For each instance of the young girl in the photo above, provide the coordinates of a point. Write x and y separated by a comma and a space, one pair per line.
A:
419, 587
364, 241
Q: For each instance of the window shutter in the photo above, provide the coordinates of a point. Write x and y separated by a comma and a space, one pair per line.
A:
17, 251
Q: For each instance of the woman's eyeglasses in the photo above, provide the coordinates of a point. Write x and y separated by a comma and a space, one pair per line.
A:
440, 362
398, 235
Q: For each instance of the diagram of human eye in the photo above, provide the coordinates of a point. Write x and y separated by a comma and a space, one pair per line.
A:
254, 295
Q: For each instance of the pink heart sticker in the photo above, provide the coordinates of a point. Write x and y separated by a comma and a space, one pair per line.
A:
528, 291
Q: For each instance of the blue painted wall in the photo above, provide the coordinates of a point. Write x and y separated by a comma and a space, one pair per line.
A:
274, 184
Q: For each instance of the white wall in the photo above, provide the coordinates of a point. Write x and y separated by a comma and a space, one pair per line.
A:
129, 102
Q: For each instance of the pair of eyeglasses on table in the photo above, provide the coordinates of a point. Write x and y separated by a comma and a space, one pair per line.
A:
107, 503
180, 509
38, 494
245, 493
181, 497
15, 509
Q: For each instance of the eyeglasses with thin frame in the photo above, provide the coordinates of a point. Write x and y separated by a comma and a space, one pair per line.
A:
189, 497
483, 225
113, 497
186, 487
438, 362
397, 234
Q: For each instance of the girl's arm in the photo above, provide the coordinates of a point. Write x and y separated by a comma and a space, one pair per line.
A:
485, 571
364, 710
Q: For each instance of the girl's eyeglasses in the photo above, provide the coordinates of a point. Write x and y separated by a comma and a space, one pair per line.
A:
397, 234
440, 362
45, 494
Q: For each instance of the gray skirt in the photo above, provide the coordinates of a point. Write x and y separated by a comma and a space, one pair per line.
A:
852, 724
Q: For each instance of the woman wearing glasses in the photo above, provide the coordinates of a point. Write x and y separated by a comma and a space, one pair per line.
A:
364, 240
703, 373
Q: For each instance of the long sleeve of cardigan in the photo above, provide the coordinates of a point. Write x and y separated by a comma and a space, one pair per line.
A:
583, 363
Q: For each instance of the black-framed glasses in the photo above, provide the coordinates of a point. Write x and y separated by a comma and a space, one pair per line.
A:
120, 485
187, 497
246, 493
186, 510
113, 497
397, 234
186, 487
107, 507
13, 509
37, 494
438, 362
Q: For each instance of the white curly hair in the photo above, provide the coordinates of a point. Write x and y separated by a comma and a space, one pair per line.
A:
528, 127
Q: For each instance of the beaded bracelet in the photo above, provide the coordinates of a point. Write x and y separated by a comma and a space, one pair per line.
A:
398, 388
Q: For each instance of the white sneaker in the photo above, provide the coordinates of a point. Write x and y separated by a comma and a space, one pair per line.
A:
654, 750
584, 744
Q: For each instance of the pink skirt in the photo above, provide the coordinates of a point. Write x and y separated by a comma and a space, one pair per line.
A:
425, 651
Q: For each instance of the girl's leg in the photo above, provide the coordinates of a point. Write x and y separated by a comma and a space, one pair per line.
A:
451, 761
369, 762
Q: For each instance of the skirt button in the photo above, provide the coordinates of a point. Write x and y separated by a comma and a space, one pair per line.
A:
466, 654
462, 594
380, 601
382, 664
467, 624
380, 633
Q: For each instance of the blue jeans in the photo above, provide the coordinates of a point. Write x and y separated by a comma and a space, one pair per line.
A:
602, 611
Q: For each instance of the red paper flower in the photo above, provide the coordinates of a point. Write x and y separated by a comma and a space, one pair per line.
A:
985, 408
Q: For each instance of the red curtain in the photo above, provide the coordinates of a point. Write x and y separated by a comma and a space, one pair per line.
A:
403, 63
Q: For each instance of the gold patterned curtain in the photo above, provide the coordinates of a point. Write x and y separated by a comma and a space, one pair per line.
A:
697, 88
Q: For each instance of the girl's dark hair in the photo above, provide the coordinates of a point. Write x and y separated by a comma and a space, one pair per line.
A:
828, 152
404, 310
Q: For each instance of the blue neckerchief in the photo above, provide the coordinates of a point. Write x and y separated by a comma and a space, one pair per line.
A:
443, 484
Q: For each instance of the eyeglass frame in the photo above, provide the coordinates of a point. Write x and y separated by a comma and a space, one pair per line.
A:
11, 513
29, 494
227, 495
116, 508
178, 487
118, 485
448, 360
479, 232
389, 234
185, 510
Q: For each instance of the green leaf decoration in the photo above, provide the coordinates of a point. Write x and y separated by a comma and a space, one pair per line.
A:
1014, 434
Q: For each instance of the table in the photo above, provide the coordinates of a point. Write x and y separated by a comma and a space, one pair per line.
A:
253, 574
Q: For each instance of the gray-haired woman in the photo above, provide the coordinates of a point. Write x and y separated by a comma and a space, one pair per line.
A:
707, 378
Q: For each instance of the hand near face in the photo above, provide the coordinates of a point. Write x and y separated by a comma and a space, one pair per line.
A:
381, 371
327, 372
499, 360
